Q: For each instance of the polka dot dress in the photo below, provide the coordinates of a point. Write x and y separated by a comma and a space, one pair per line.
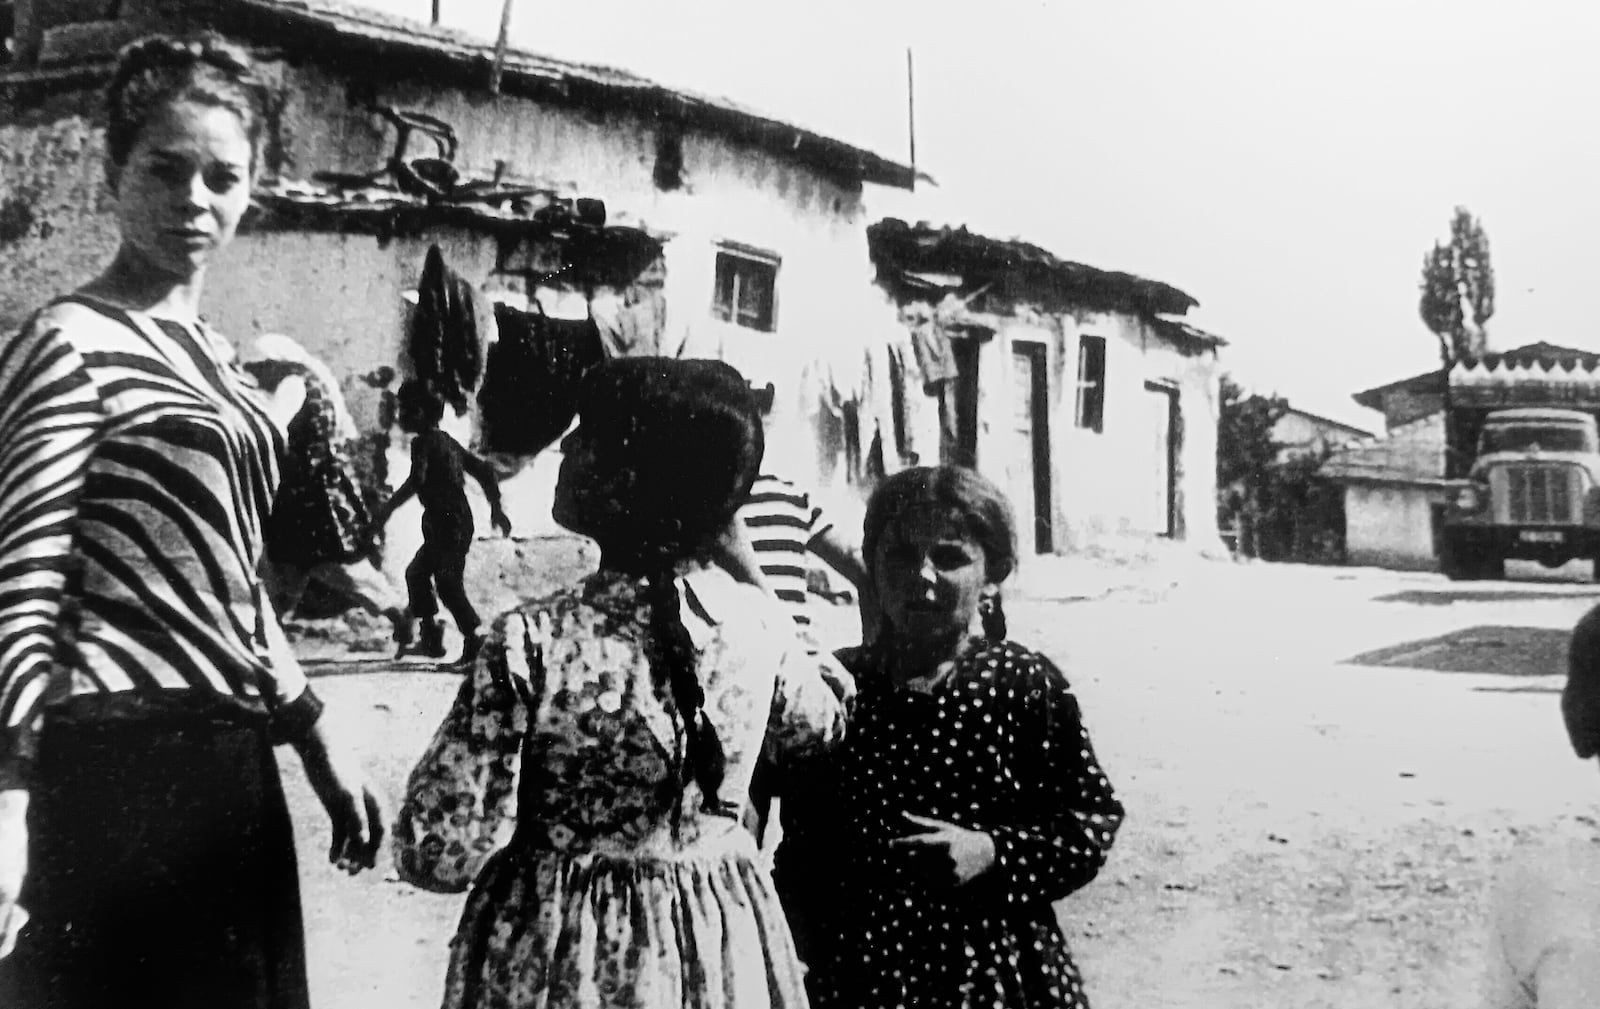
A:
998, 746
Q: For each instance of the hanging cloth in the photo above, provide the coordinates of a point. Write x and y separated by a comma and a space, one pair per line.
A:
877, 419
318, 515
530, 388
445, 342
934, 357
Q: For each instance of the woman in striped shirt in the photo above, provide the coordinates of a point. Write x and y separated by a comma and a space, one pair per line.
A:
143, 674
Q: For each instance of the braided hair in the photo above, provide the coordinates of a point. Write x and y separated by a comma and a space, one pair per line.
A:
160, 70
687, 434
972, 500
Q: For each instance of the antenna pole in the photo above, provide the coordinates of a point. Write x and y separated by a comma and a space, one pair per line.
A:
500, 47
911, 115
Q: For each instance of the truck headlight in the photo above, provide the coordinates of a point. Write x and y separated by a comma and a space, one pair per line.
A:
1471, 498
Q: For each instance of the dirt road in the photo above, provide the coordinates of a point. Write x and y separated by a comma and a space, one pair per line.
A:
1322, 769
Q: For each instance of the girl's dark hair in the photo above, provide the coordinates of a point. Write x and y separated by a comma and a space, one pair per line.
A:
688, 435
202, 67
980, 508
416, 398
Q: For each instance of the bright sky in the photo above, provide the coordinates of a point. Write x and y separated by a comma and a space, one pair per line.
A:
1286, 163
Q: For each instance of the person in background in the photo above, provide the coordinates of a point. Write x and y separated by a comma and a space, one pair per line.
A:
319, 529
439, 467
1544, 941
968, 796
651, 685
146, 851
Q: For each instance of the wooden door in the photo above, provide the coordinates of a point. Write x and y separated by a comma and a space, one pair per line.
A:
1029, 454
1161, 411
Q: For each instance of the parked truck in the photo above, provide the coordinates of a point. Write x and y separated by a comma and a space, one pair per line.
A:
1532, 492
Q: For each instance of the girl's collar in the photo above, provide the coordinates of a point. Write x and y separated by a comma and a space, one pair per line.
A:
884, 662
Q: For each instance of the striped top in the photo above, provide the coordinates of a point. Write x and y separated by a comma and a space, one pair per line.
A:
782, 521
137, 467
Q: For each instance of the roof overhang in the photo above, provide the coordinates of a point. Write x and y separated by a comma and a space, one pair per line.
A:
921, 257
343, 34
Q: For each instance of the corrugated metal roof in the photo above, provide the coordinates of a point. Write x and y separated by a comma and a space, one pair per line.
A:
342, 25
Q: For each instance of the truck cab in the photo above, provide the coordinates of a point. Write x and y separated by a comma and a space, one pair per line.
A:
1532, 493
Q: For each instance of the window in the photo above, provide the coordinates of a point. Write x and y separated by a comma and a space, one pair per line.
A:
1092, 382
747, 285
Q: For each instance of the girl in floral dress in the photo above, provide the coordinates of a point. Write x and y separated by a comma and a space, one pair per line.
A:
651, 686
969, 796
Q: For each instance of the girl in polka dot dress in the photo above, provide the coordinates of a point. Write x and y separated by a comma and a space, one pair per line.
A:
970, 796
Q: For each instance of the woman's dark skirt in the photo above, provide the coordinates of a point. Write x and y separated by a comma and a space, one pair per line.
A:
162, 869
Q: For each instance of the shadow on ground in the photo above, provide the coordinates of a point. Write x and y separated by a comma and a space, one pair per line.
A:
1504, 651
1447, 597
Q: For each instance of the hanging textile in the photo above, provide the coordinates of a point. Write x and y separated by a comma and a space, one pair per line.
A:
530, 389
935, 359
445, 342
918, 434
319, 514
854, 467
877, 420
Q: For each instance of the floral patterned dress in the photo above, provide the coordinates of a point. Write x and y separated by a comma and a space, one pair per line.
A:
617, 890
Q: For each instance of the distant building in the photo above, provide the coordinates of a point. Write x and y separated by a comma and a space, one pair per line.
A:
1081, 391
1391, 490
1303, 433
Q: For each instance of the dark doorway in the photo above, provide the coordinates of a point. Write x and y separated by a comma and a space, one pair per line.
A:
1030, 399
1166, 454
965, 450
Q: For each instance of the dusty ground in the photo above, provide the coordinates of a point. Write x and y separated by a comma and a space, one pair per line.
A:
1322, 767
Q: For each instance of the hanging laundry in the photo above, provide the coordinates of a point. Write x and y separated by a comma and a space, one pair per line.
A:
829, 428
877, 421
854, 468
446, 339
935, 358
530, 391
918, 434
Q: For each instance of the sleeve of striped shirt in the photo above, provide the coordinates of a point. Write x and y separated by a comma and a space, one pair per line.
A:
50, 414
817, 521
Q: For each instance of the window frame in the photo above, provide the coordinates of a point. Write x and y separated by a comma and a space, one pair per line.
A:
738, 253
1091, 395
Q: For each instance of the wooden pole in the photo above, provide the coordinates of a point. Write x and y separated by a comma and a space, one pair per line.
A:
911, 115
500, 47
436, 11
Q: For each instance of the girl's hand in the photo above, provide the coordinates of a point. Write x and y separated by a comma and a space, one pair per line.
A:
953, 855
356, 815
13, 864
500, 521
